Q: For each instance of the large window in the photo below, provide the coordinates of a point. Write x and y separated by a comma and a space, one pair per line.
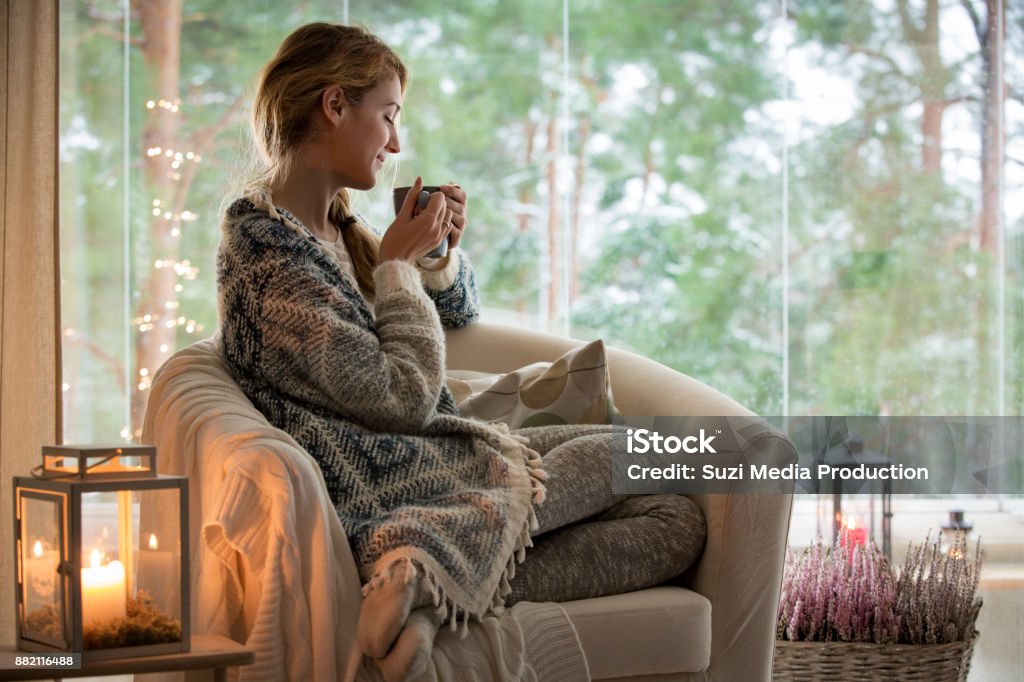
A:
816, 206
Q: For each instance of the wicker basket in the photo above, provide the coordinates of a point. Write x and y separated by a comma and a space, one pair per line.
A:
835, 661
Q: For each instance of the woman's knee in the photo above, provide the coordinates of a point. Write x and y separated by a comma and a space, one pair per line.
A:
675, 521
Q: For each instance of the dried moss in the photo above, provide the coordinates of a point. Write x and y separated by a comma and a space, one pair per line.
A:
143, 625
45, 620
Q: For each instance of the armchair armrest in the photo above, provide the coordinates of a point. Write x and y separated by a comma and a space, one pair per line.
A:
740, 570
640, 386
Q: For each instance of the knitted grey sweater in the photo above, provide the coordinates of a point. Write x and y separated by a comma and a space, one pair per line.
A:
364, 393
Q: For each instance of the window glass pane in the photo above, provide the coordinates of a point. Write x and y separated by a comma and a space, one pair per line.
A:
895, 298
482, 110
675, 177
93, 240
1013, 206
153, 135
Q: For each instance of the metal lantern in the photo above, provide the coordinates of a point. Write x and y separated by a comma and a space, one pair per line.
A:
857, 512
955, 529
101, 554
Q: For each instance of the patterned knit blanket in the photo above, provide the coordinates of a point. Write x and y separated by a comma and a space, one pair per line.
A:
364, 393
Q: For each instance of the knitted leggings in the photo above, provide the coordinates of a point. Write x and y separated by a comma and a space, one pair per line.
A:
591, 542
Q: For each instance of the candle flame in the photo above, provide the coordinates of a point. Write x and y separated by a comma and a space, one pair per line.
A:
37, 549
850, 522
95, 558
153, 544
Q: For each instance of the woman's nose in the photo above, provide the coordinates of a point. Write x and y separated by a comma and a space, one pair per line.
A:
393, 144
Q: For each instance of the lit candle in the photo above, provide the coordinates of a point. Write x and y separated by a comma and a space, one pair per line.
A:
103, 591
40, 574
854, 534
156, 572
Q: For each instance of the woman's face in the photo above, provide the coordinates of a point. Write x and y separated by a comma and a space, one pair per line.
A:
365, 134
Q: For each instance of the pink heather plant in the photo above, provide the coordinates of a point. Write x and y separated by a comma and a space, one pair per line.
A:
851, 594
937, 593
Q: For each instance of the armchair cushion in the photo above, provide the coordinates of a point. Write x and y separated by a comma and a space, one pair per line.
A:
661, 630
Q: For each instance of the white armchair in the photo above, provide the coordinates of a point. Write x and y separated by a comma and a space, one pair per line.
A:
717, 623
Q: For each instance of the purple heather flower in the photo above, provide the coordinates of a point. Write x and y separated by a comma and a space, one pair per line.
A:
851, 593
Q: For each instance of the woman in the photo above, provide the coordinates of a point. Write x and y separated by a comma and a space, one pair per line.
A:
336, 335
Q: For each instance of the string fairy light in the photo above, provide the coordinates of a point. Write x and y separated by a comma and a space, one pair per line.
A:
168, 317
183, 269
167, 105
176, 156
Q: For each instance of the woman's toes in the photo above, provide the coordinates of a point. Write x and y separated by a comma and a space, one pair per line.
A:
410, 655
386, 607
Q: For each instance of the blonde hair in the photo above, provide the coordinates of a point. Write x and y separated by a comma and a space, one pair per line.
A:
311, 59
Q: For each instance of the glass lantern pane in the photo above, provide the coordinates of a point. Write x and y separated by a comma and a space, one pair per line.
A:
42, 588
157, 571
857, 525
852, 517
131, 576
106, 527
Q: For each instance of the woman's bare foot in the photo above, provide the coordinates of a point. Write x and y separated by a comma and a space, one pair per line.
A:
408, 659
387, 605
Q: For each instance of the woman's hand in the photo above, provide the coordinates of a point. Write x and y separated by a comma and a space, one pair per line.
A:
413, 235
456, 199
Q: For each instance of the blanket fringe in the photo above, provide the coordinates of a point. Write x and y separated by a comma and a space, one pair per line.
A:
513, 445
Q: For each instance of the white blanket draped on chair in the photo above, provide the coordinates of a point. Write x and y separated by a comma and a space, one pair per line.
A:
270, 563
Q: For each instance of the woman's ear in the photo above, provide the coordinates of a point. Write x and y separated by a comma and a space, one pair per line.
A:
333, 104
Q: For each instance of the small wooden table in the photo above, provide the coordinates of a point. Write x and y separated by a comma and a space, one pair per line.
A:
208, 652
